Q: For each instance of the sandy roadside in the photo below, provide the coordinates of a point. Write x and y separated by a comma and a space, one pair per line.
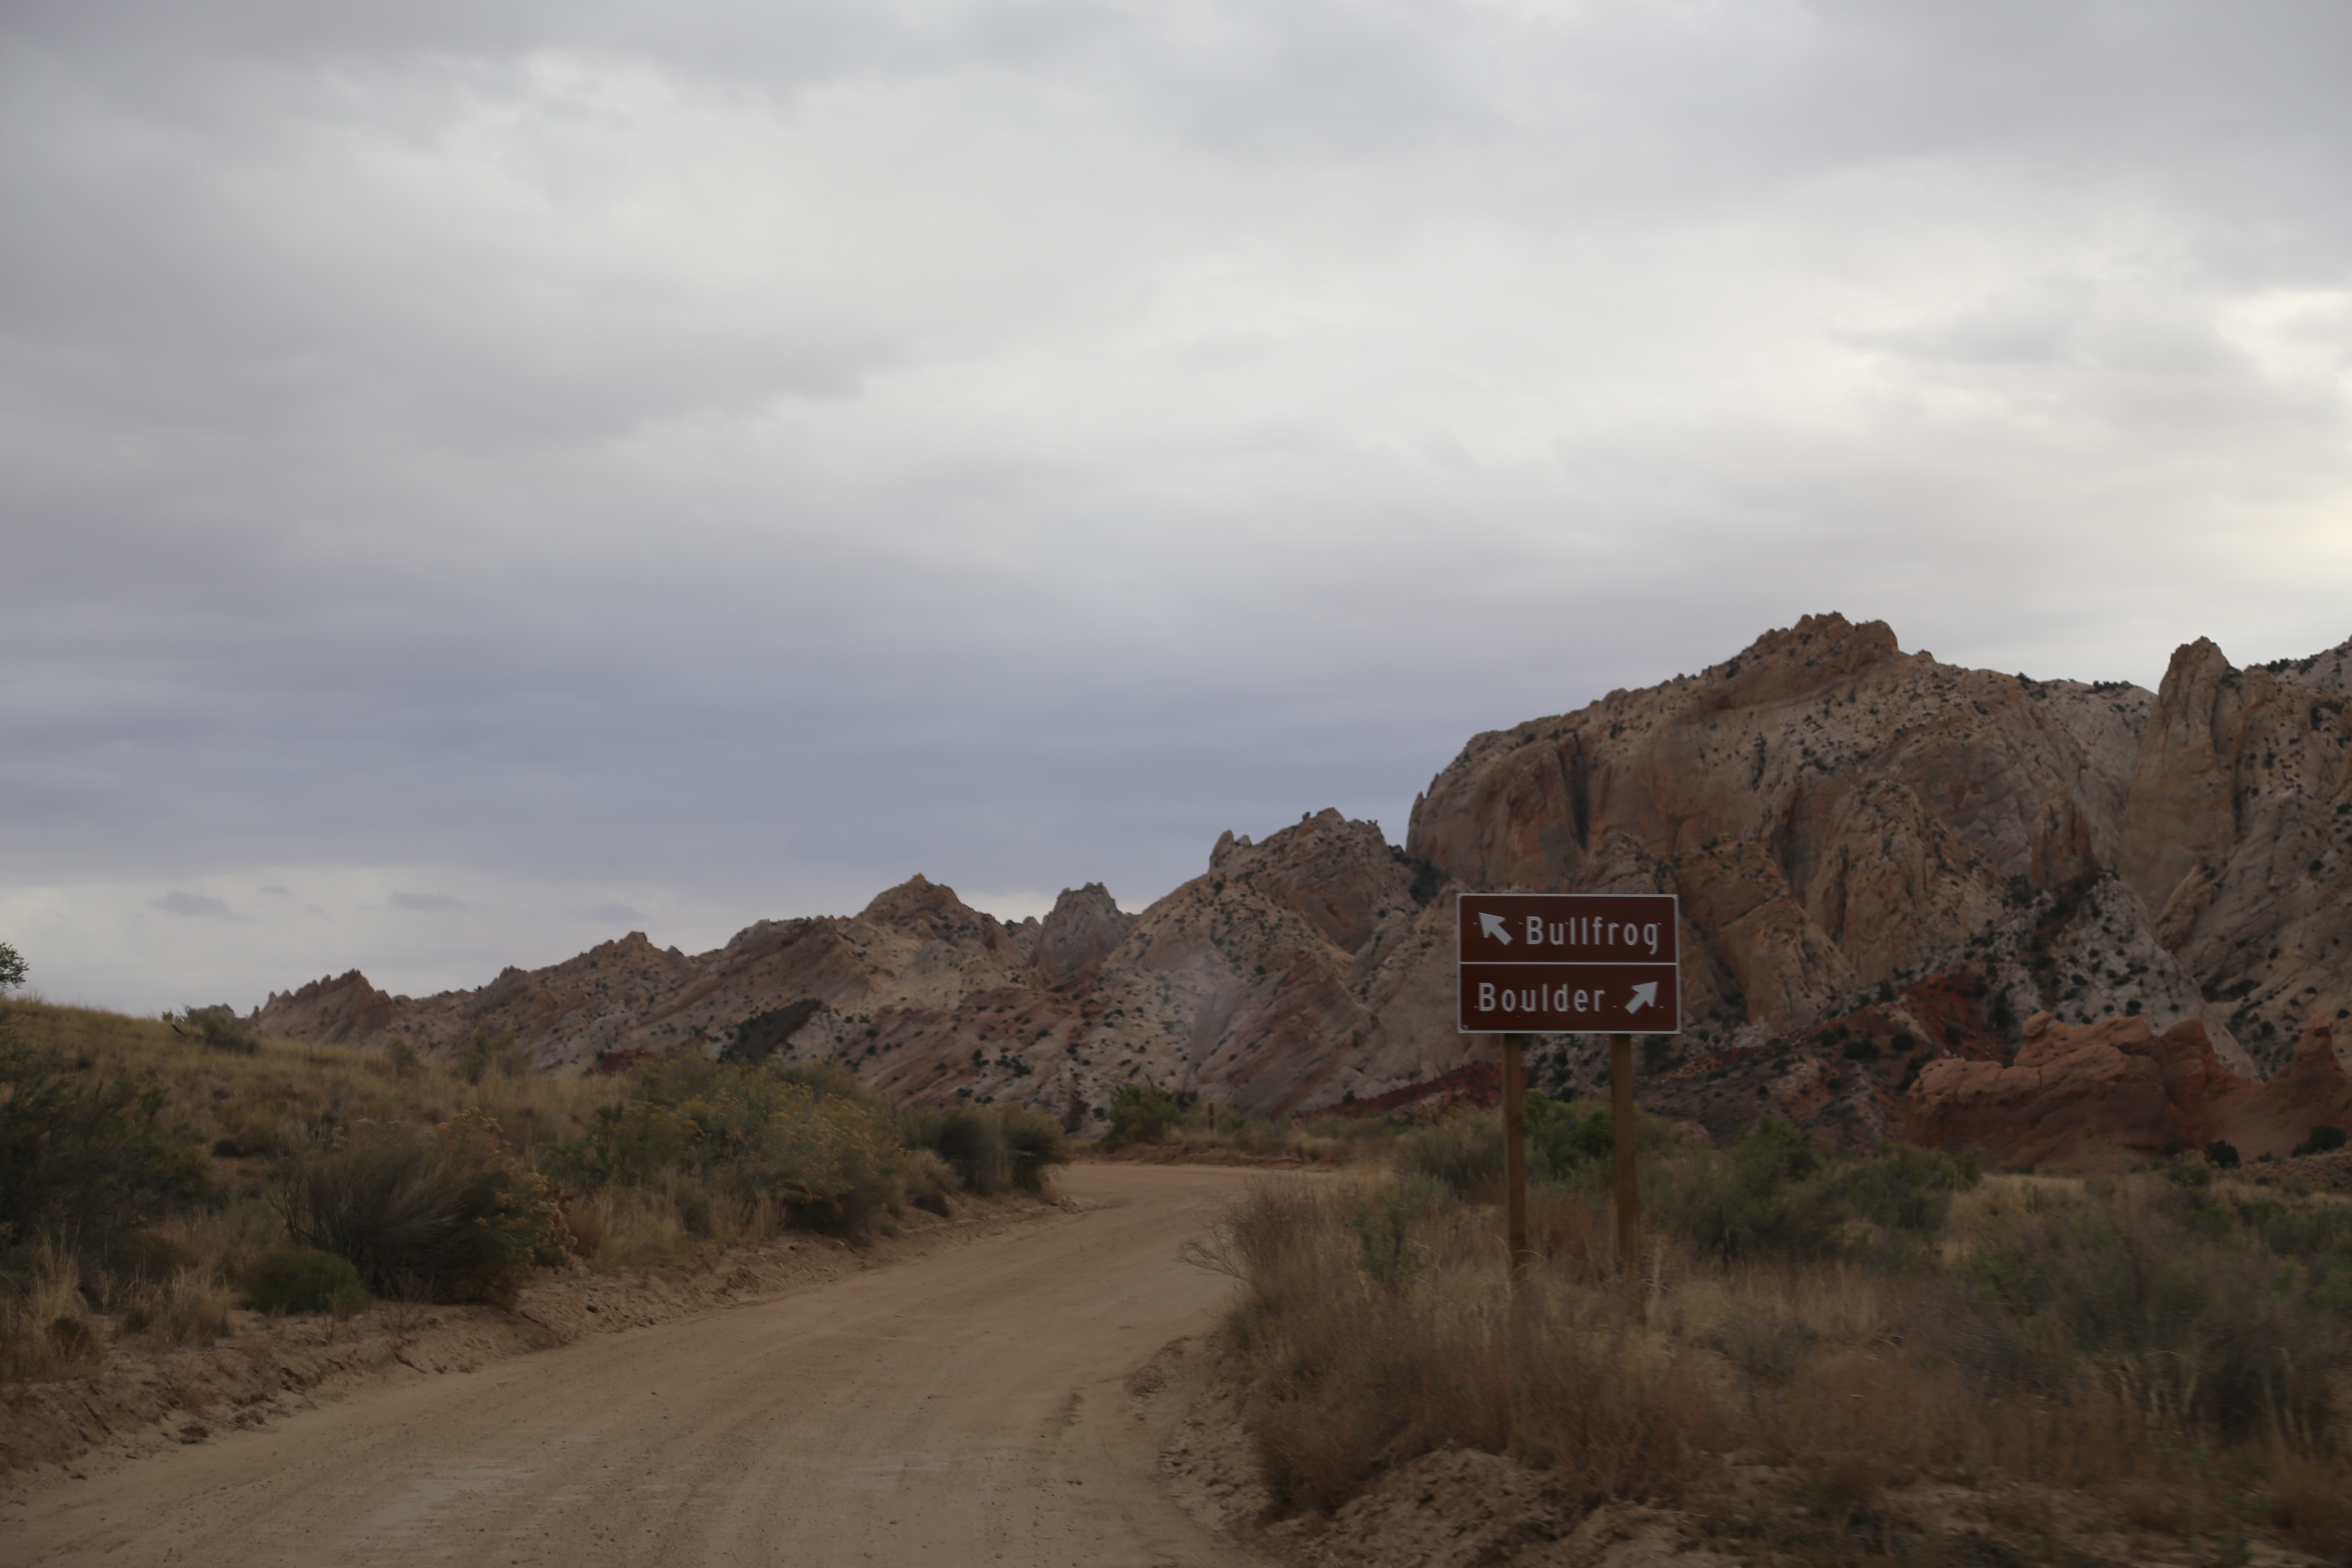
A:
964, 1405
139, 1403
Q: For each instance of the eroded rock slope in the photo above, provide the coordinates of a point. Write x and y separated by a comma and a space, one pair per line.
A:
1869, 845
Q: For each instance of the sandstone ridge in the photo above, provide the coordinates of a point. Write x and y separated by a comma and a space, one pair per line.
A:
1870, 846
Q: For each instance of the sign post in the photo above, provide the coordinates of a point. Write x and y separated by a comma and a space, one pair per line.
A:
1515, 1163
1628, 1192
1570, 964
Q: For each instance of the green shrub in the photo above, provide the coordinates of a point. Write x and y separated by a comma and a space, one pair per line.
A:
1762, 1198
304, 1279
486, 1054
991, 1148
2175, 1299
2324, 1139
968, 1138
1776, 1192
927, 1179
1141, 1114
217, 1029
829, 1079
1567, 1139
1386, 1253
453, 1217
84, 1160
1462, 1153
1900, 1189
1035, 1140
2185, 1169
829, 1158
690, 1201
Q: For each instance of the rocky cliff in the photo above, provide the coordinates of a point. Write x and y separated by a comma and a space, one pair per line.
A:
1867, 844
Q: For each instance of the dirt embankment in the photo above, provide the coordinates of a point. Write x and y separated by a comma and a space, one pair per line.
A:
137, 1405
1459, 1507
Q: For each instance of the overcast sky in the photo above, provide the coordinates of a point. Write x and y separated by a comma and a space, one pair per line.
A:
478, 479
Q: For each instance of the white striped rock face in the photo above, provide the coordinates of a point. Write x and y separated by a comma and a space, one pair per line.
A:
1837, 813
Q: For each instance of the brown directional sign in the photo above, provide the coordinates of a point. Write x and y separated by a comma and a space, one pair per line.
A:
1544, 963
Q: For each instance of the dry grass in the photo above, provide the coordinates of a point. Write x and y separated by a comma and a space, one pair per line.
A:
1371, 1338
664, 1168
189, 1306
283, 1093
1309, 1143
47, 1328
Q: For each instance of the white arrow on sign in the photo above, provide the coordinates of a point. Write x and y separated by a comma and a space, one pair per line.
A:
1493, 925
1644, 995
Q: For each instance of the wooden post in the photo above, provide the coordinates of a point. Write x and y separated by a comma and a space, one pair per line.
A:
1629, 1195
1515, 1163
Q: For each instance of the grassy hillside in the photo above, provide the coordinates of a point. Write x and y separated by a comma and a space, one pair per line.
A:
157, 1174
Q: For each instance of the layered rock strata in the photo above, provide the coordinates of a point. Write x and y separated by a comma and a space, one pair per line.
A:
1854, 833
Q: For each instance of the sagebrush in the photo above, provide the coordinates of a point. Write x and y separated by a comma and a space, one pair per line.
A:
2180, 1350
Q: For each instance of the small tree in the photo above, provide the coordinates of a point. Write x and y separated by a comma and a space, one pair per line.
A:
1141, 1114
487, 1053
2324, 1139
11, 967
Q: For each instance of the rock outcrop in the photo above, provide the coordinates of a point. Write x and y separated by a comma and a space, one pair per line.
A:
2100, 1096
334, 1010
1871, 849
1080, 933
1835, 813
2236, 833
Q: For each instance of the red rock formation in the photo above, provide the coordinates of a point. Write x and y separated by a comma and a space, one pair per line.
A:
1476, 1086
2101, 1096
1843, 821
2310, 1090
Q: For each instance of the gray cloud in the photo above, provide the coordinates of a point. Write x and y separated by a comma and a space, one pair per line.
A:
428, 903
196, 906
743, 456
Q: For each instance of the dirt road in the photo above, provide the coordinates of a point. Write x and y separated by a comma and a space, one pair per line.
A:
960, 1408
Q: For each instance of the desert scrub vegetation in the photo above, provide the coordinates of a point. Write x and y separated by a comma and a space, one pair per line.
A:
743, 1152
451, 1214
991, 1149
87, 1161
1143, 1115
2170, 1345
158, 1174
